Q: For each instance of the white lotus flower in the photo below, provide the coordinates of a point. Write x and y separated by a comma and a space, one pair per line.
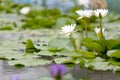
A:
25, 10
83, 3
102, 12
68, 29
97, 30
84, 13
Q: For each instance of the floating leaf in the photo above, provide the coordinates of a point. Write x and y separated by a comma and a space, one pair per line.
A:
54, 50
99, 64
115, 54
87, 40
117, 70
58, 43
29, 62
112, 44
93, 45
114, 61
45, 53
109, 52
89, 54
69, 54
11, 55
68, 77
63, 60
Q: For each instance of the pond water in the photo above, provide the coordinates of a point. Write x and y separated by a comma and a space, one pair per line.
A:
36, 72
27, 73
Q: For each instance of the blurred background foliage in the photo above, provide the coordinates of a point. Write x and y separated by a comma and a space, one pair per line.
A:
54, 14
38, 17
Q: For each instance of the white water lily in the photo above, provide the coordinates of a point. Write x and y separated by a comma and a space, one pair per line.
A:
68, 29
83, 3
84, 13
25, 10
97, 30
102, 12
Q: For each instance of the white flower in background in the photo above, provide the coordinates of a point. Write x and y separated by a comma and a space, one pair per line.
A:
84, 13
102, 12
68, 29
97, 30
83, 3
25, 10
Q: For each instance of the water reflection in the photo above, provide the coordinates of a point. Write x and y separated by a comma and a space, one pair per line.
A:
1, 70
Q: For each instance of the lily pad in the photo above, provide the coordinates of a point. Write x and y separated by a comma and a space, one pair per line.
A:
29, 62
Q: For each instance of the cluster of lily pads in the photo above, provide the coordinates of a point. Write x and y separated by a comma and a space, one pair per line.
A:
95, 54
92, 52
71, 47
32, 18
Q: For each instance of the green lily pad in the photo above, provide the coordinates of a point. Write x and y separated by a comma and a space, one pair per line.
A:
29, 62
99, 64
113, 44
89, 54
58, 43
115, 54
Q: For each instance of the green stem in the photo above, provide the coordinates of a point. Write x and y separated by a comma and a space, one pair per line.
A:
73, 43
101, 33
101, 76
85, 24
